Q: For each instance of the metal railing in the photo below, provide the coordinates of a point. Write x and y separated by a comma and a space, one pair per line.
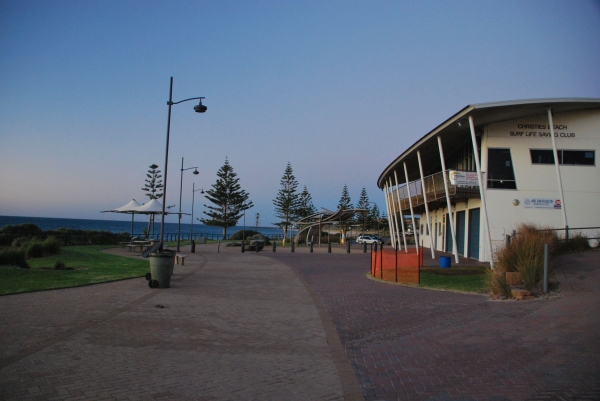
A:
434, 189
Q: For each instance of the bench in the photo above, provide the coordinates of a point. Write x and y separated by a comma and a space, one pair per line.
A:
179, 256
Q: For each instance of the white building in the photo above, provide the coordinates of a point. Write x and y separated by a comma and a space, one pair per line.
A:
509, 147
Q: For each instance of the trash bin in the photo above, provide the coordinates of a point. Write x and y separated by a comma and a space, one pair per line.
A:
161, 267
445, 262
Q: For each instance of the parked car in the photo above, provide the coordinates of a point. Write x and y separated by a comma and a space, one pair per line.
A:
368, 239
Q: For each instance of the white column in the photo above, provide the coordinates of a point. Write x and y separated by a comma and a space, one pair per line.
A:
401, 214
395, 221
557, 164
426, 206
481, 192
450, 215
412, 214
388, 208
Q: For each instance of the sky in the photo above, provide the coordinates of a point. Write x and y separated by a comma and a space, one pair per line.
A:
336, 88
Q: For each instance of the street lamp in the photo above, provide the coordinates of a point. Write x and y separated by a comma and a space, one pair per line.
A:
194, 193
200, 108
180, 192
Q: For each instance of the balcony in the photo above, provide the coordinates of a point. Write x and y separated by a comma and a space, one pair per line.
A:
434, 189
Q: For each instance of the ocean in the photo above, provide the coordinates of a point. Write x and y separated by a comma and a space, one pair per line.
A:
140, 224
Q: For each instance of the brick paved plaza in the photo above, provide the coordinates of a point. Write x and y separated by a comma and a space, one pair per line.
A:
299, 326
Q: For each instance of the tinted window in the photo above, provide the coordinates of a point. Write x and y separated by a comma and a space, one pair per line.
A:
571, 157
500, 169
578, 157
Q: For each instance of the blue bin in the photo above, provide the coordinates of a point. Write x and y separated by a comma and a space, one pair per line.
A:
445, 262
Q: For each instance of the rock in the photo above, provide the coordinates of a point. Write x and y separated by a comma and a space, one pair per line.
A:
520, 294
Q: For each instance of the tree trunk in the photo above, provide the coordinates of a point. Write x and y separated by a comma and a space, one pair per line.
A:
284, 235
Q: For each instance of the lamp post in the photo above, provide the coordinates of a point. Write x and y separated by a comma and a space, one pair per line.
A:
180, 192
245, 206
193, 193
199, 108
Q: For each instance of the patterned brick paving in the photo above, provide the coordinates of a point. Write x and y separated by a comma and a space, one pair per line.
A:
245, 326
232, 327
406, 343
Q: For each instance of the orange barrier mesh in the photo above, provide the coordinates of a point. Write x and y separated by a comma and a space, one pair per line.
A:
398, 266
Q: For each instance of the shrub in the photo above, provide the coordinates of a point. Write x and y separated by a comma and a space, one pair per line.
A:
13, 258
59, 265
35, 249
239, 235
577, 243
9, 233
21, 242
525, 253
496, 282
51, 246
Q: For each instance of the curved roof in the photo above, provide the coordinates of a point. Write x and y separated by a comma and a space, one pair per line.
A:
454, 135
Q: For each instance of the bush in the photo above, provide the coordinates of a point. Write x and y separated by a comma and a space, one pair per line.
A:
496, 282
35, 249
21, 242
576, 243
239, 235
9, 233
13, 258
59, 265
51, 246
525, 253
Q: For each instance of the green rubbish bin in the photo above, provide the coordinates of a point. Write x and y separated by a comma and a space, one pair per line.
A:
161, 267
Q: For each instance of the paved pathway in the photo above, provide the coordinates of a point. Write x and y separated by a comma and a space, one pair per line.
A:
299, 326
233, 327
408, 343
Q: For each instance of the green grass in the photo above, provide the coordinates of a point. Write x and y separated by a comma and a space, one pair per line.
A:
89, 267
469, 279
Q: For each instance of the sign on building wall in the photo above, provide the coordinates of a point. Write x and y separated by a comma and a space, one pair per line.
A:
542, 203
463, 178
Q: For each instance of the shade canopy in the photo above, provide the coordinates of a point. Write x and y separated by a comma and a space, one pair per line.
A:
152, 207
128, 208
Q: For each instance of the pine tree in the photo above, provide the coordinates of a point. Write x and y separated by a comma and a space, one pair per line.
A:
363, 203
306, 207
153, 187
229, 199
374, 216
154, 184
287, 200
345, 200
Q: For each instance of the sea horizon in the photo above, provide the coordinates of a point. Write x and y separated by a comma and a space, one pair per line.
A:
121, 226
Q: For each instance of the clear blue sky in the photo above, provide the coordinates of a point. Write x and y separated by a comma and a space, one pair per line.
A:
337, 88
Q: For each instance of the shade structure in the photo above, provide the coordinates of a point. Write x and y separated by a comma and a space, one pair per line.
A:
128, 208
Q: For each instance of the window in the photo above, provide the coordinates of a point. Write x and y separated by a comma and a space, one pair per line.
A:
567, 157
500, 170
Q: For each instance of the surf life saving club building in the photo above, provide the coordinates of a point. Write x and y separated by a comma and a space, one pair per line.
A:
490, 167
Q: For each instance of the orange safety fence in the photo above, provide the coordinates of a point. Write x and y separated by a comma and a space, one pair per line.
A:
398, 266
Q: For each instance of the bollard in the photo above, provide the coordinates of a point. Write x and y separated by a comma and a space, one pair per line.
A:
243, 247
293, 248
507, 240
256, 246
364, 247
347, 246
219, 246
328, 247
193, 246
311, 247
546, 254
274, 246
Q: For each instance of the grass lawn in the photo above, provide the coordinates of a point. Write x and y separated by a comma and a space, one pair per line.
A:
470, 279
89, 267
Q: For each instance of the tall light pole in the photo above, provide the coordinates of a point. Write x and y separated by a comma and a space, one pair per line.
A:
180, 192
193, 193
199, 108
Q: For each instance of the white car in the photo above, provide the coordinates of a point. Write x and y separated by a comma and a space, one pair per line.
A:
368, 239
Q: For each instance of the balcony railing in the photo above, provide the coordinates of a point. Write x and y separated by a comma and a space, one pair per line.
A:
434, 189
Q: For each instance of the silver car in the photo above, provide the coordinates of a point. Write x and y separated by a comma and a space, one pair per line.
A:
368, 239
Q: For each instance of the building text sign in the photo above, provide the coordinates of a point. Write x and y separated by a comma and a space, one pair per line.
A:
541, 131
463, 178
542, 203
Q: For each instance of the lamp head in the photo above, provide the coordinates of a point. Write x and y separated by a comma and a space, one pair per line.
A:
196, 172
201, 191
200, 108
